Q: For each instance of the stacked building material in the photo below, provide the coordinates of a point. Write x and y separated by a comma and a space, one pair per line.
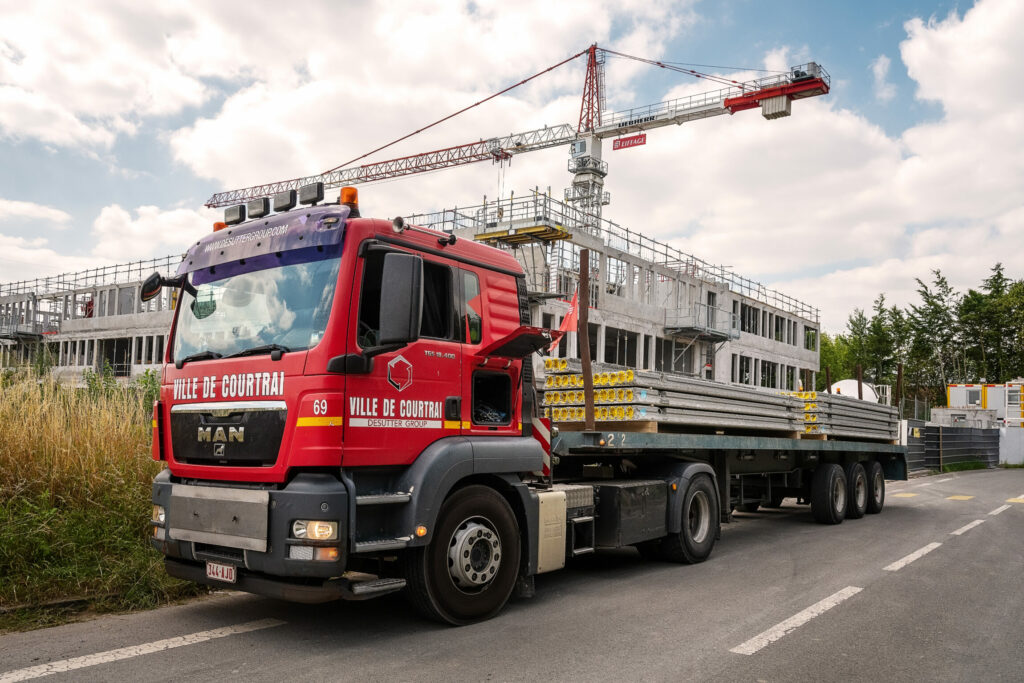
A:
671, 401
847, 417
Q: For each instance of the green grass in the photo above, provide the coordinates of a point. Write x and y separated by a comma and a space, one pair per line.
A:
1009, 466
962, 466
75, 482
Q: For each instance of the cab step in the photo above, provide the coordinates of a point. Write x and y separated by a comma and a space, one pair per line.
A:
381, 544
371, 589
384, 499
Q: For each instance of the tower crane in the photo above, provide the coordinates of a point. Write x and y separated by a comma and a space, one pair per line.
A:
773, 94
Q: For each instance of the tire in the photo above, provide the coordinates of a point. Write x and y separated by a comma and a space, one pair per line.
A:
696, 538
856, 490
477, 526
828, 494
876, 488
748, 507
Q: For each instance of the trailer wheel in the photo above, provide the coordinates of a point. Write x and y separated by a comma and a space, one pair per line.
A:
467, 571
856, 491
695, 540
828, 494
876, 487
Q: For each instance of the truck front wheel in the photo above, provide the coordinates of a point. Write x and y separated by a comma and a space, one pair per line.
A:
695, 540
467, 571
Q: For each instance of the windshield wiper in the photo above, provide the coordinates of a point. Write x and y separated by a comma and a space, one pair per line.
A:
202, 355
275, 351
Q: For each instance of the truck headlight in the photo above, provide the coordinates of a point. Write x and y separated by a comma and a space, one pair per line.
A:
159, 514
315, 530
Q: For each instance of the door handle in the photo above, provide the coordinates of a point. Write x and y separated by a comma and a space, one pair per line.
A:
453, 408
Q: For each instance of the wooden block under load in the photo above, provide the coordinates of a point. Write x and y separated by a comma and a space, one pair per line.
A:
636, 426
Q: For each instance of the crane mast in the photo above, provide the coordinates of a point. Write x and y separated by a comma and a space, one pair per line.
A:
774, 94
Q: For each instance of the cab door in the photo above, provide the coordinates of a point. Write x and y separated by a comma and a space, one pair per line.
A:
491, 384
396, 408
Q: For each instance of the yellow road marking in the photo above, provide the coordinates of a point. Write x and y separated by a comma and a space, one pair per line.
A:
319, 422
1015, 500
959, 497
903, 495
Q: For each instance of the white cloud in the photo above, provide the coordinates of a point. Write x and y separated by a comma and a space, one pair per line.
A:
148, 232
340, 103
25, 259
884, 90
13, 210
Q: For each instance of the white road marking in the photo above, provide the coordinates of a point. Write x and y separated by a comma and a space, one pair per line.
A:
74, 663
927, 483
999, 509
903, 562
939, 481
966, 527
797, 620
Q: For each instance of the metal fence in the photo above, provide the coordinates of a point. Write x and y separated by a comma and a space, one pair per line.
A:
915, 409
954, 445
916, 444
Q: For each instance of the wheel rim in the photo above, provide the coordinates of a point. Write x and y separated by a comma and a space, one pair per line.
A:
839, 494
474, 554
699, 517
879, 487
860, 491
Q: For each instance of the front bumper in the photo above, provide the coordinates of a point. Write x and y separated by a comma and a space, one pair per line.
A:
249, 528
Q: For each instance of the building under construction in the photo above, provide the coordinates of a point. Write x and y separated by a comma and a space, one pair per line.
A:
653, 307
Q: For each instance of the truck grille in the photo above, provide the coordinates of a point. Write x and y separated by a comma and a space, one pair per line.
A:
238, 434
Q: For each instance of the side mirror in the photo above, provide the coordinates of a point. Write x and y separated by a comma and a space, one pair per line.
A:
401, 298
151, 287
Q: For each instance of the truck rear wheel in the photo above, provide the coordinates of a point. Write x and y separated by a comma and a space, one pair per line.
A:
856, 490
467, 571
876, 487
695, 540
828, 494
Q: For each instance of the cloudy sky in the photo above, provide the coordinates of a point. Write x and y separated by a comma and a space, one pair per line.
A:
118, 119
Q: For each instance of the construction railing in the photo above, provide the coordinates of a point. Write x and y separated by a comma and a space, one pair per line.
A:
542, 208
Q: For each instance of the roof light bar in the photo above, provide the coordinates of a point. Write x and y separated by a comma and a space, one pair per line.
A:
311, 194
284, 201
258, 208
234, 215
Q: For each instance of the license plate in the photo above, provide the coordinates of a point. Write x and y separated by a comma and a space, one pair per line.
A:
221, 572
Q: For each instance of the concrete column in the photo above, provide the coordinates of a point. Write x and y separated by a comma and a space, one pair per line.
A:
601, 336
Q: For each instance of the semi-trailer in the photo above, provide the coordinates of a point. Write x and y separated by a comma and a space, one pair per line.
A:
347, 409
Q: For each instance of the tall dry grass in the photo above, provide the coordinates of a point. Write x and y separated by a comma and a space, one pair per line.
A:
72, 444
75, 482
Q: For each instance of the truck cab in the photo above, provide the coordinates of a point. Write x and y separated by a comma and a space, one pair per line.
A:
330, 382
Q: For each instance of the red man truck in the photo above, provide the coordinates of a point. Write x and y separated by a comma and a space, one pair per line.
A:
345, 411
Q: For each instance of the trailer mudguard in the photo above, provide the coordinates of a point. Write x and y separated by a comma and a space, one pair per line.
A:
443, 464
680, 473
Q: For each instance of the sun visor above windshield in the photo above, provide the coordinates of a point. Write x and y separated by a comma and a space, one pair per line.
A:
316, 227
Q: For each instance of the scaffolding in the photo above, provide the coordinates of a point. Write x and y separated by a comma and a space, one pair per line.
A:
517, 216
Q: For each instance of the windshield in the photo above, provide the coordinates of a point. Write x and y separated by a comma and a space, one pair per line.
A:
286, 306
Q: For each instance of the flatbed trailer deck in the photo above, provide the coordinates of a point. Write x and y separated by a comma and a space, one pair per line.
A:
749, 470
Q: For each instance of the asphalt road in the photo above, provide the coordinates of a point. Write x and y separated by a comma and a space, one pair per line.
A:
897, 596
